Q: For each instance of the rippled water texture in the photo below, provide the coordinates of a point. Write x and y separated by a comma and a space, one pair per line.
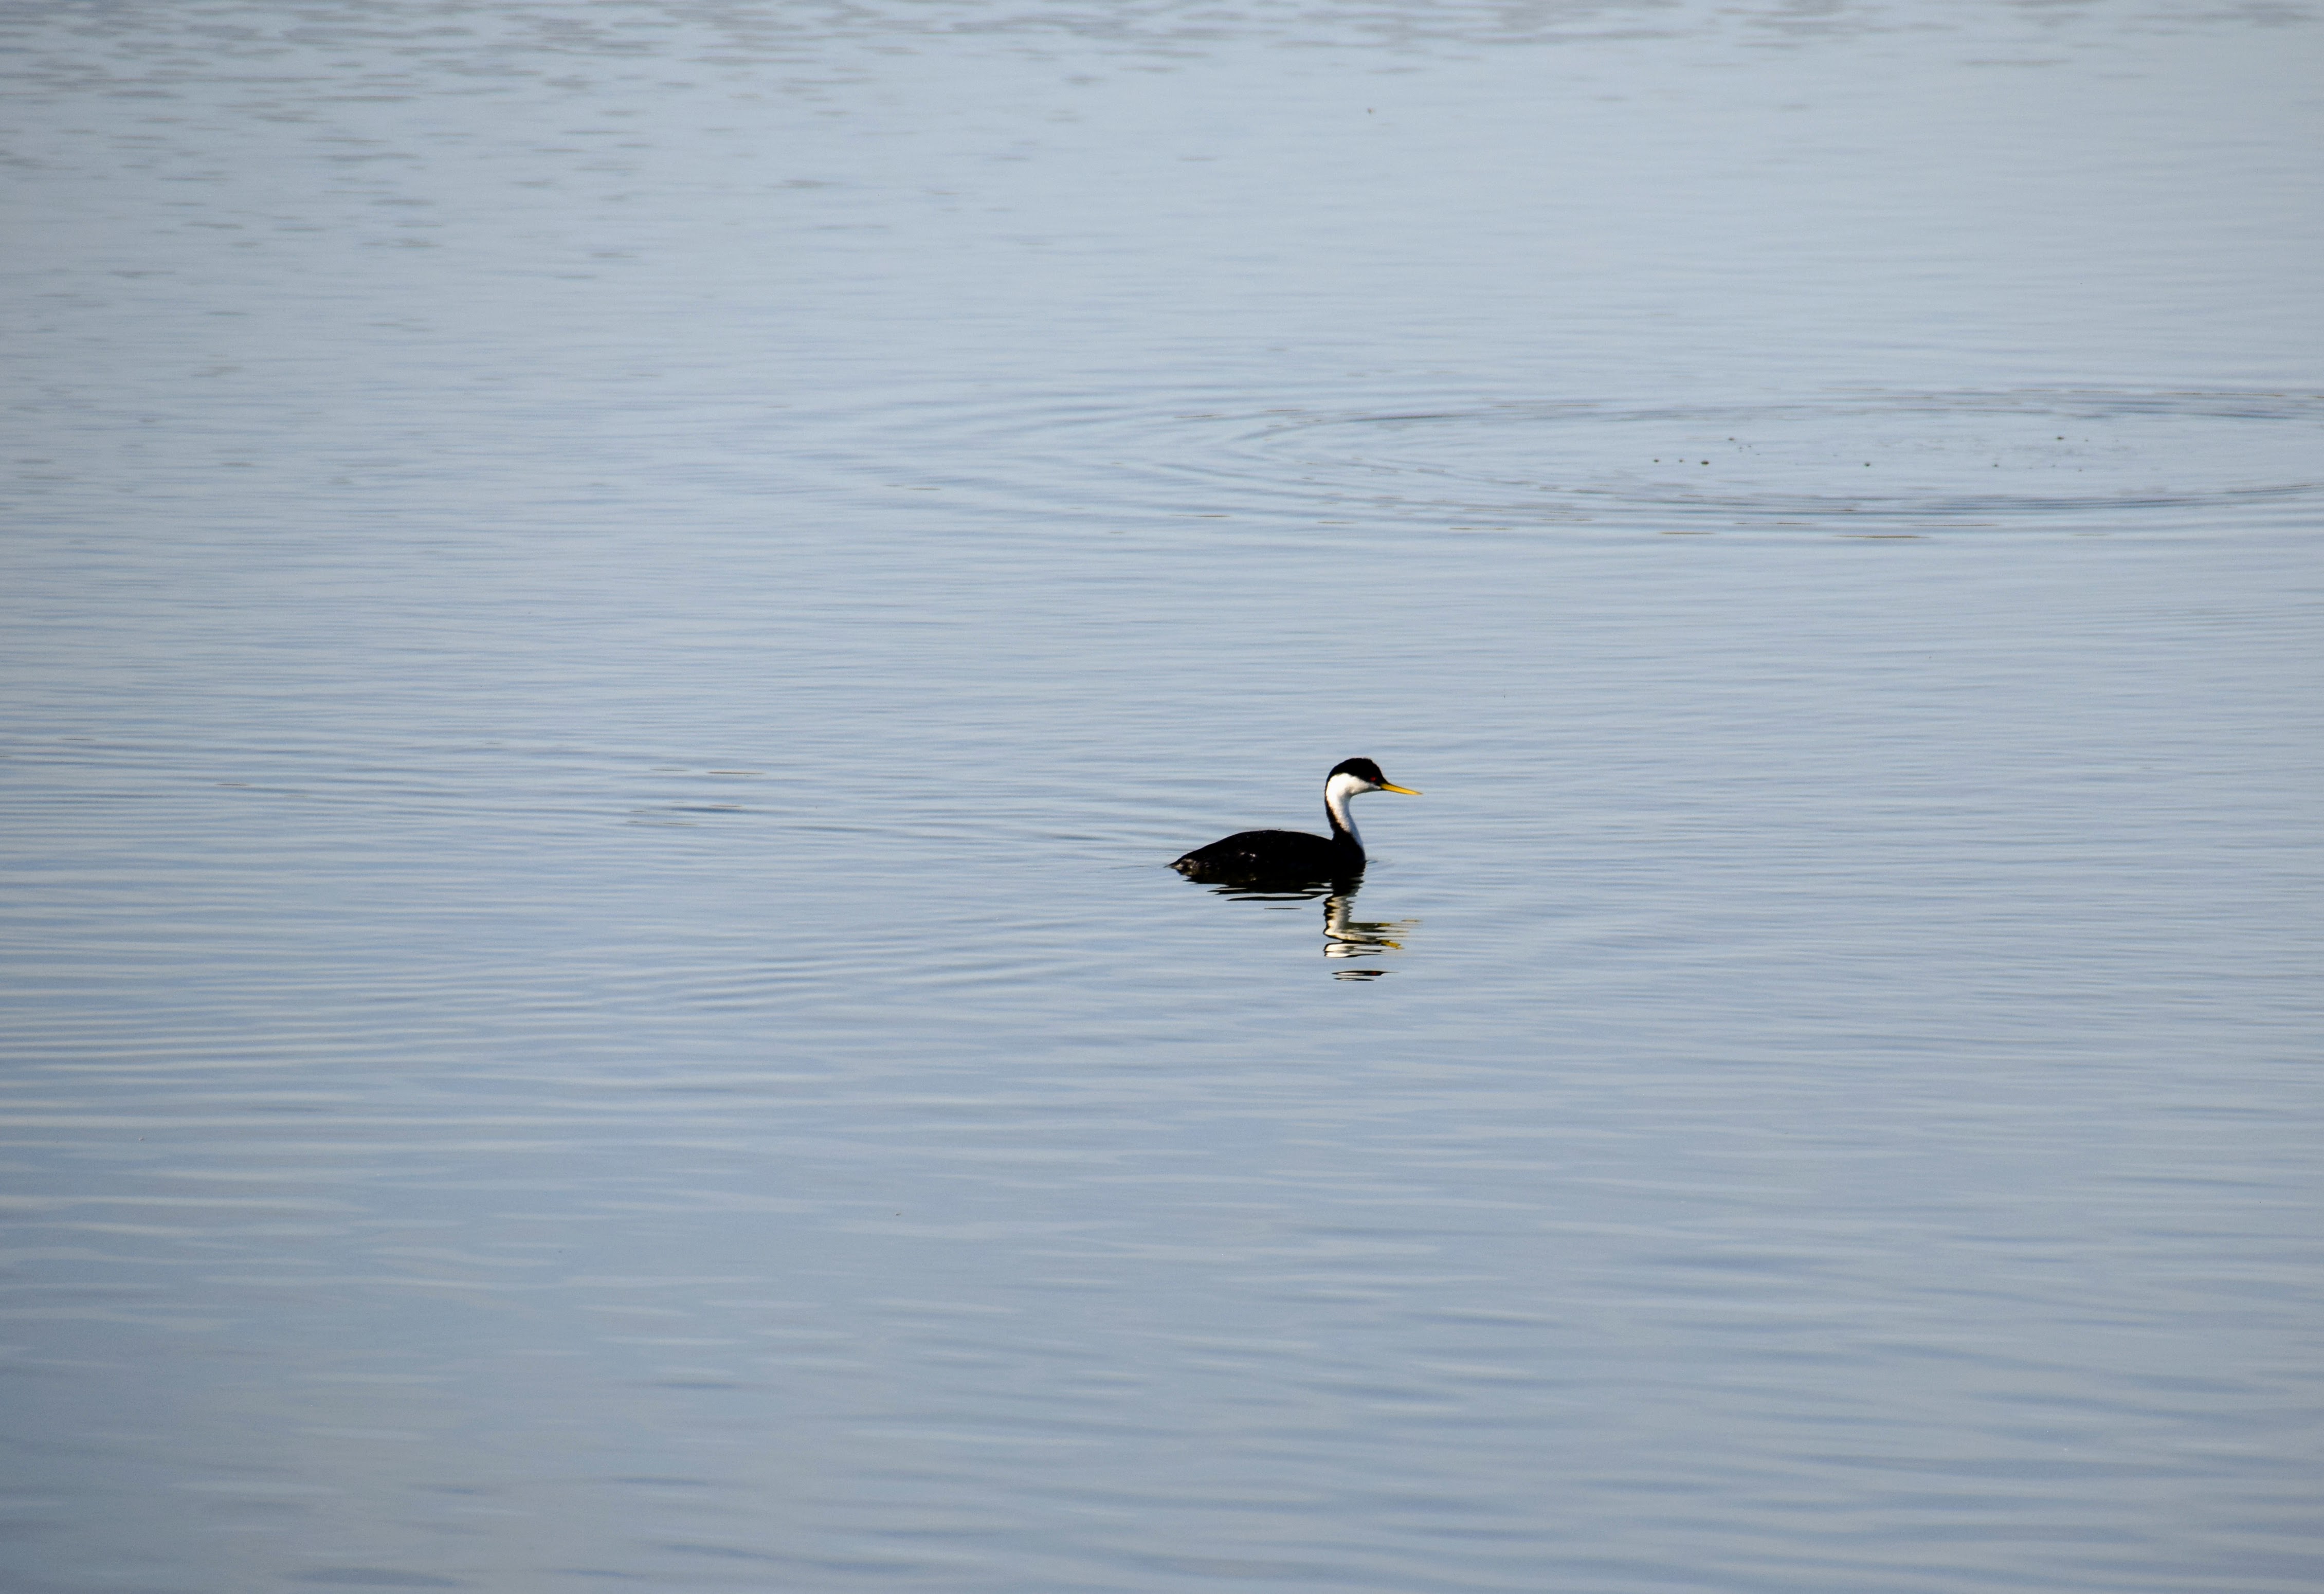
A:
611, 615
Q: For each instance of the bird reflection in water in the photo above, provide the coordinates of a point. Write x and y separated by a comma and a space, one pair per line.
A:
1347, 939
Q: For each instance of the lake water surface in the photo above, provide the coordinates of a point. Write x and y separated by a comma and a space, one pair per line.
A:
612, 610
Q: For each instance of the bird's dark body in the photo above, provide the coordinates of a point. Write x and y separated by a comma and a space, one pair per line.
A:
1284, 855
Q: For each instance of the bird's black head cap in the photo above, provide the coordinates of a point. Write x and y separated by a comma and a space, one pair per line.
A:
1361, 768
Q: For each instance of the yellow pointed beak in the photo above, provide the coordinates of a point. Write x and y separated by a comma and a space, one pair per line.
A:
1390, 786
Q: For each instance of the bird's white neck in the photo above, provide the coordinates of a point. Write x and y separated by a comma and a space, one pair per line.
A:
1337, 790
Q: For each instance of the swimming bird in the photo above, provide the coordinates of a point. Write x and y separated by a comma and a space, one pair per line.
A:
1293, 854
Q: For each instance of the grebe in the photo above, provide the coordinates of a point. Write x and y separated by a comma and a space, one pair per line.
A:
1292, 855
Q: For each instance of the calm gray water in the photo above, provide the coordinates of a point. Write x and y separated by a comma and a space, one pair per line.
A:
612, 610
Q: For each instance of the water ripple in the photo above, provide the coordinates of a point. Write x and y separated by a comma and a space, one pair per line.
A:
2081, 460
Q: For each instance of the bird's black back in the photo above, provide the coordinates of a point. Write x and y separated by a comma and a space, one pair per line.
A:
1273, 854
